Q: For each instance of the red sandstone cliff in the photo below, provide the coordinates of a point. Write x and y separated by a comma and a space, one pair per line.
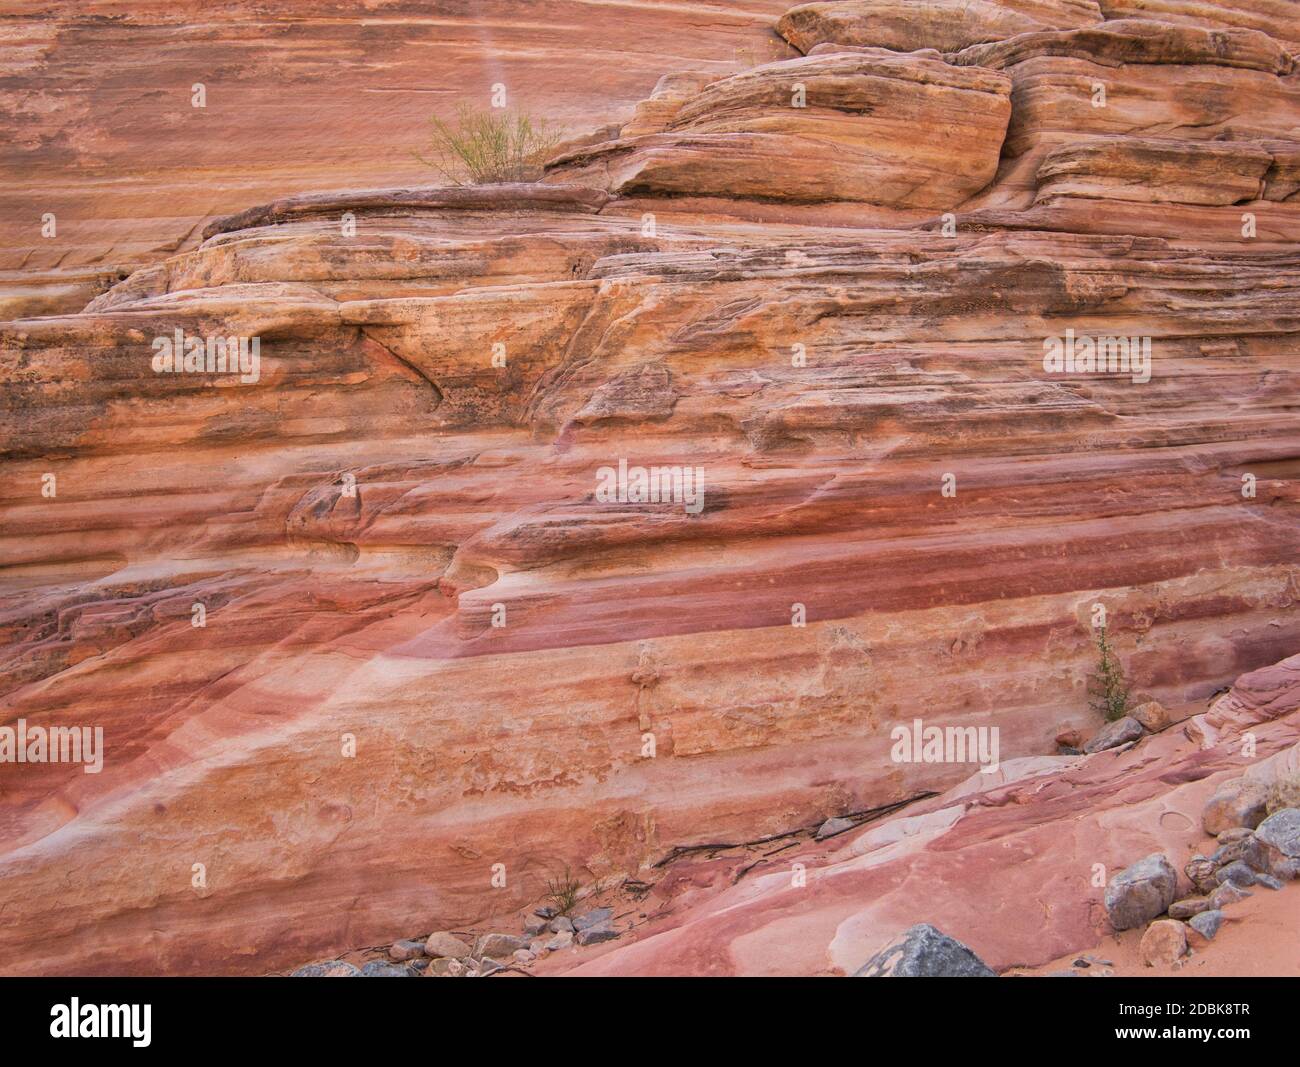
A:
827, 309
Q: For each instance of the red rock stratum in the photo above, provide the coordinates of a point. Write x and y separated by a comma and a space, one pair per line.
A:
826, 277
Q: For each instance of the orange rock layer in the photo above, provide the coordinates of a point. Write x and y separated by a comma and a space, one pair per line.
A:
439, 661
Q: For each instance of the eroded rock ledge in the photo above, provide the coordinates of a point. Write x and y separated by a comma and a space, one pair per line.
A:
869, 126
834, 311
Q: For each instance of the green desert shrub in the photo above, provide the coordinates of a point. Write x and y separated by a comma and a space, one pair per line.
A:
1107, 687
562, 892
482, 147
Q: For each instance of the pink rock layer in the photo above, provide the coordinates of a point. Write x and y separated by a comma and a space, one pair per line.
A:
438, 662
1039, 838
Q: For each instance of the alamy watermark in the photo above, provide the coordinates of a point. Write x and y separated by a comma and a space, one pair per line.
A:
208, 354
75, 1019
946, 744
1080, 354
651, 485
57, 744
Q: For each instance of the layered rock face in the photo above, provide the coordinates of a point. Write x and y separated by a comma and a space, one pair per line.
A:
948, 25
109, 136
1031, 837
386, 626
882, 128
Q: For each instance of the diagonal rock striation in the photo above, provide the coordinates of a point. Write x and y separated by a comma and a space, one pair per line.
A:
948, 357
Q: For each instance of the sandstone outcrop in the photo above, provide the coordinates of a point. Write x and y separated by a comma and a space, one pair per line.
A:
1255, 698
908, 25
871, 126
299, 96
1274, 17
1157, 170
1123, 41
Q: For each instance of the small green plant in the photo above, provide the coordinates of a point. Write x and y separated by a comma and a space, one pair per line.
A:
1108, 687
1283, 793
482, 147
563, 892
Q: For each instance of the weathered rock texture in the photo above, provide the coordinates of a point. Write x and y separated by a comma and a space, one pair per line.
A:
970, 862
431, 648
907, 25
870, 126
300, 95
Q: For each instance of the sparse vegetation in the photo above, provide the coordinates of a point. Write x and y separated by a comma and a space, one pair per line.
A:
482, 147
1283, 793
1108, 687
563, 892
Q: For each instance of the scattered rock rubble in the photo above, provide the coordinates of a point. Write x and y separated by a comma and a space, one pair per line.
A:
1251, 850
1264, 853
447, 954
1256, 833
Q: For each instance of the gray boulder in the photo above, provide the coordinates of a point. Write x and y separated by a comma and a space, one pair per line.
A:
1254, 853
1238, 802
1228, 893
445, 944
499, 945
1185, 909
406, 949
592, 918
1247, 849
594, 935
1141, 892
1236, 871
328, 969
1225, 854
1114, 734
1235, 833
1206, 923
924, 952
1280, 836
384, 969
